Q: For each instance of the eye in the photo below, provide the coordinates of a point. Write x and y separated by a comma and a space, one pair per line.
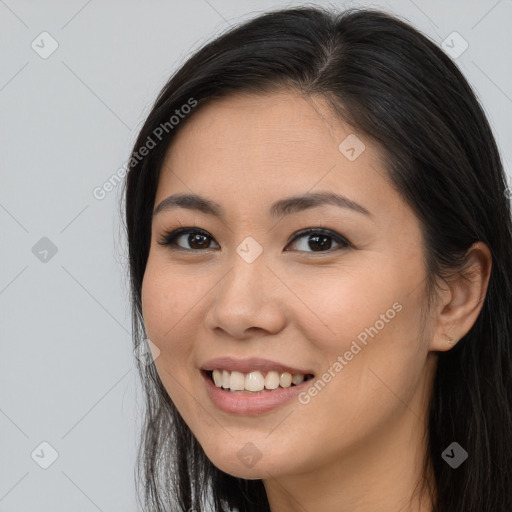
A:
196, 238
317, 239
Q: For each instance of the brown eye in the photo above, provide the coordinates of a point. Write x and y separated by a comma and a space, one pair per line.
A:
319, 240
196, 239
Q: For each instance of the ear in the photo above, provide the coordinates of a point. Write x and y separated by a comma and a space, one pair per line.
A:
461, 299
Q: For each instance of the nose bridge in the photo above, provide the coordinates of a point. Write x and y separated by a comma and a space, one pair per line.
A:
247, 273
243, 299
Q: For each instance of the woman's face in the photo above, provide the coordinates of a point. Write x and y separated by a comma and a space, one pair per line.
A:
342, 303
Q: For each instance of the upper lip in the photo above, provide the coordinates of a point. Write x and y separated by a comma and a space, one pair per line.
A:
248, 365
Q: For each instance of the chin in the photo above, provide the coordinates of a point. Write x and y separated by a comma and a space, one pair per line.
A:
238, 469
248, 462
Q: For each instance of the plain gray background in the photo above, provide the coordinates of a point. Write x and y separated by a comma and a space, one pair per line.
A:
67, 374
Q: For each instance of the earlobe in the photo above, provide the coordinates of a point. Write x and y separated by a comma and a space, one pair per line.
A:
463, 299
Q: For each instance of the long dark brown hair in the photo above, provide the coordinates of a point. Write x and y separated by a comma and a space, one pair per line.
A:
399, 88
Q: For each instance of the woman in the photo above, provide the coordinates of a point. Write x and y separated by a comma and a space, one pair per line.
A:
320, 248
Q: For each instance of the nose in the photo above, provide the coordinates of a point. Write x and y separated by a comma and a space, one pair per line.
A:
249, 301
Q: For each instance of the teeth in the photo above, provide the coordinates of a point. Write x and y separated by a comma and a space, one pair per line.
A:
237, 381
297, 379
272, 380
285, 380
254, 381
217, 378
225, 379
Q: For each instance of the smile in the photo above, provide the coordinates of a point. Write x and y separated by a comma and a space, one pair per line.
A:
255, 381
250, 403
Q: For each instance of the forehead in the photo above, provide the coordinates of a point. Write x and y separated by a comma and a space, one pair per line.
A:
264, 128
259, 148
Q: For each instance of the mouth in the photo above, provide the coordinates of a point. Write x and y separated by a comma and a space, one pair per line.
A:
255, 382
253, 386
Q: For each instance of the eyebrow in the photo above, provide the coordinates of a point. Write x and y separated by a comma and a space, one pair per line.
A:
280, 208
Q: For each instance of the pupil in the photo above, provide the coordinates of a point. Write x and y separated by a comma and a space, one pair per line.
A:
194, 238
323, 244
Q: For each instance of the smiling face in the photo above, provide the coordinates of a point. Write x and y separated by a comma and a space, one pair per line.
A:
342, 302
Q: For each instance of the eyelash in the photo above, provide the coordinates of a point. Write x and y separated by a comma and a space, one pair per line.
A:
169, 238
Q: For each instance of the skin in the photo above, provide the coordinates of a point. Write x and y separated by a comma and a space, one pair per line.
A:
358, 444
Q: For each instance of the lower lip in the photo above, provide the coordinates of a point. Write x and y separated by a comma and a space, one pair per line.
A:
251, 404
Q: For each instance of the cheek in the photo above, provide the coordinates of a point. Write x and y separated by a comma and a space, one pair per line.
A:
342, 305
155, 302
165, 303
367, 329
167, 295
